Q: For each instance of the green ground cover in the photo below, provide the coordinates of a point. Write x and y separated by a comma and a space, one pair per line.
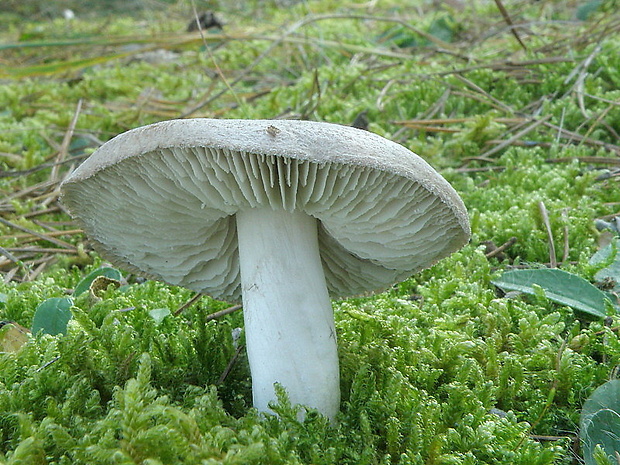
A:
443, 368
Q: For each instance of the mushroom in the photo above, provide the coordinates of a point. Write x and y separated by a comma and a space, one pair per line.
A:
281, 215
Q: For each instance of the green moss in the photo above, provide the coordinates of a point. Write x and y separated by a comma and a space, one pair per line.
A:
441, 369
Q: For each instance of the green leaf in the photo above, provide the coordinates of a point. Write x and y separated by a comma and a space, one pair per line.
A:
52, 316
85, 283
600, 422
559, 286
158, 314
584, 11
400, 36
442, 28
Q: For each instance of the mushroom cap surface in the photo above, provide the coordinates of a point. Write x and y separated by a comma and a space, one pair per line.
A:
160, 201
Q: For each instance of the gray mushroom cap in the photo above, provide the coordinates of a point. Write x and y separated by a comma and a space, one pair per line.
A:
160, 201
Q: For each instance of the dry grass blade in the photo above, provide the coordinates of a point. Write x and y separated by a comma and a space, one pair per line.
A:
424, 127
580, 71
58, 67
517, 136
39, 250
455, 121
64, 147
435, 125
594, 160
38, 270
45, 211
53, 240
485, 94
507, 65
234, 82
506, 16
40, 167
28, 237
545, 218
6, 205
12, 258
220, 73
599, 119
10, 275
573, 136
288, 37
481, 169
565, 255
594, 34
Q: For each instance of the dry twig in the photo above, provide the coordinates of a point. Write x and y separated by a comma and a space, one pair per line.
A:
221, 313
498, 250
188, 304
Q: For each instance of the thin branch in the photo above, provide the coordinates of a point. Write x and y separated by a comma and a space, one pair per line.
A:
188, 304
221, 313
509, 243
231, 364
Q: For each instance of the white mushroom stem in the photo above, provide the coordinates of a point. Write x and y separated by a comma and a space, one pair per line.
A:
289, 321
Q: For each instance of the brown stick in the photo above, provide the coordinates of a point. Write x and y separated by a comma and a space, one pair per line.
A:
221, 313
501, 248
230, 365
188, 304
508, 20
